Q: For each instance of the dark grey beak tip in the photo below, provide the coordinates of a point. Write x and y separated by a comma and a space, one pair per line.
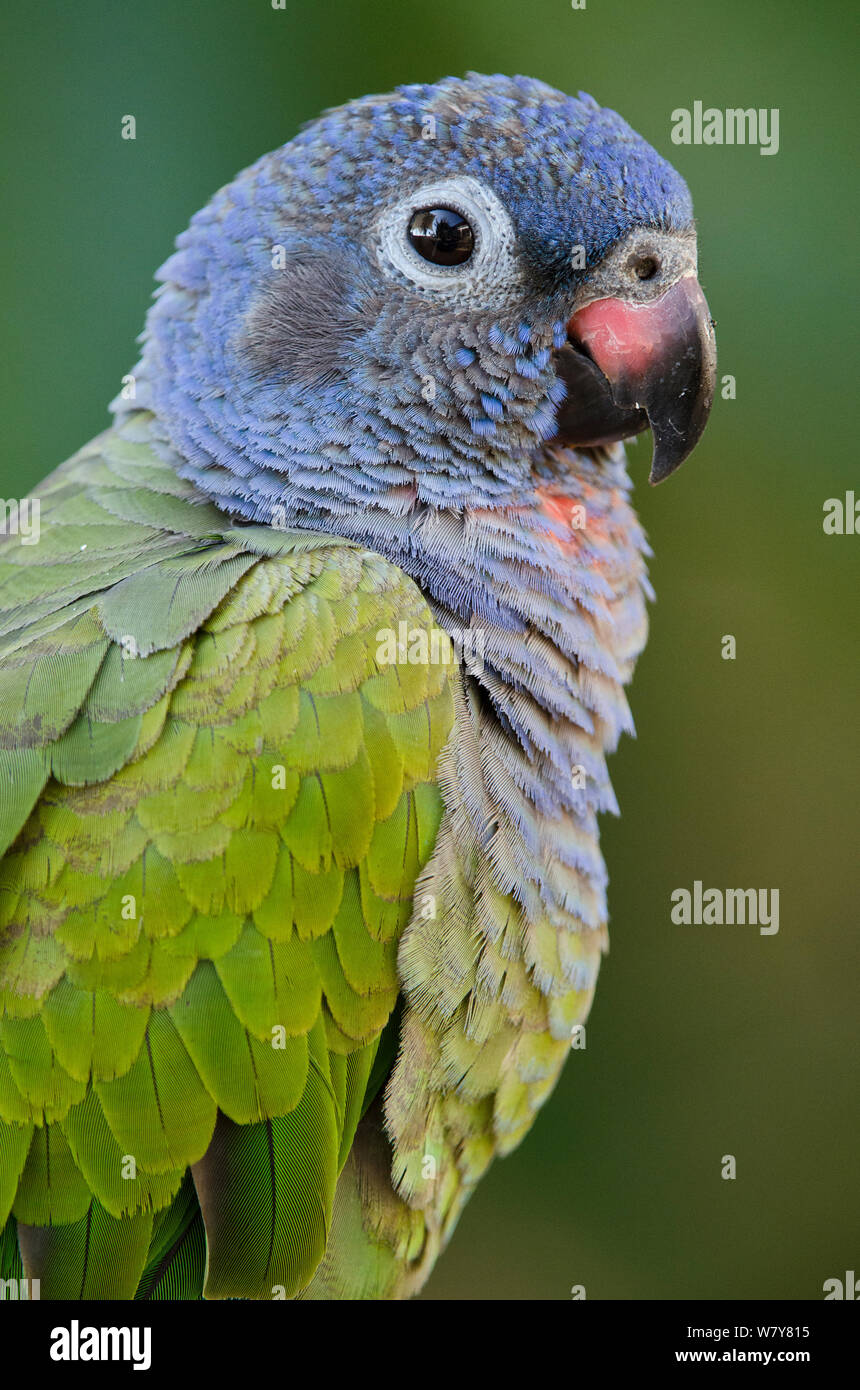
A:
680, 399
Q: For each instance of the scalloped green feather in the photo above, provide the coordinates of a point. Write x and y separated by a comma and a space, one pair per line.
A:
392, 857
202, 882
10, 1255
30, 963
162, 604
43, 687
344, 670
165, 763
15, 1109
266, 1192
279, 713
214, 764
159, 1111
385, 917
262, 800
95, 1257
52, 1190
328, 732
90, 752
368, 965
249, 868
122, 1187
35, 1067
127, 685
15, 1140
315, 899
386, 762
271, 984
419, 735
360, 1016
249, 1079
179, 811
163, 513
206, 937
23, 774
274, 916
151, 973
359, 1066
91, 1033
176, 1264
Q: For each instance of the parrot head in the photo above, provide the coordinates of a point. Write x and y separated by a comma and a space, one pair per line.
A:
421, 297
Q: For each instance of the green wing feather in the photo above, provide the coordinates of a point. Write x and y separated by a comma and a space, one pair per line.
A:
177, 1253
266, 1191
11, 1266
95, 1257
215, 802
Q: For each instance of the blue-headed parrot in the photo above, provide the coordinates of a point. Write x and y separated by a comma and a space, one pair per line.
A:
306, 692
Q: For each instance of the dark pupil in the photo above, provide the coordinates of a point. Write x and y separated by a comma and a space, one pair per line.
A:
441, 235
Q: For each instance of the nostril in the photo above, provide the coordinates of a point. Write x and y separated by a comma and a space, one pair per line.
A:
645, 267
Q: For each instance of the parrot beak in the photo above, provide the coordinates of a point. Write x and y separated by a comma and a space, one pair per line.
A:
641, 364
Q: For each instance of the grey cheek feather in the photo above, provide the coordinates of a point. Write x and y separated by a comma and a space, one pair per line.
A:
306, 319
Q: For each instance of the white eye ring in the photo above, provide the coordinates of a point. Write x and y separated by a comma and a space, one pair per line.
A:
492, 270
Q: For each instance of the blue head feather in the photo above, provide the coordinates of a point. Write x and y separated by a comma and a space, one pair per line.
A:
300, 377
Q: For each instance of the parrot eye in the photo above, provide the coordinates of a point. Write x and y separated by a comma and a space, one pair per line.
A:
441, 236
451, 238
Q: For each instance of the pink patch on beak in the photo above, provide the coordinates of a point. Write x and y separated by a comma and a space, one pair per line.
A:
623, 338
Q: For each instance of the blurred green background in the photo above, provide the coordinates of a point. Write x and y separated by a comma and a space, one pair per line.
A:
703, 1041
